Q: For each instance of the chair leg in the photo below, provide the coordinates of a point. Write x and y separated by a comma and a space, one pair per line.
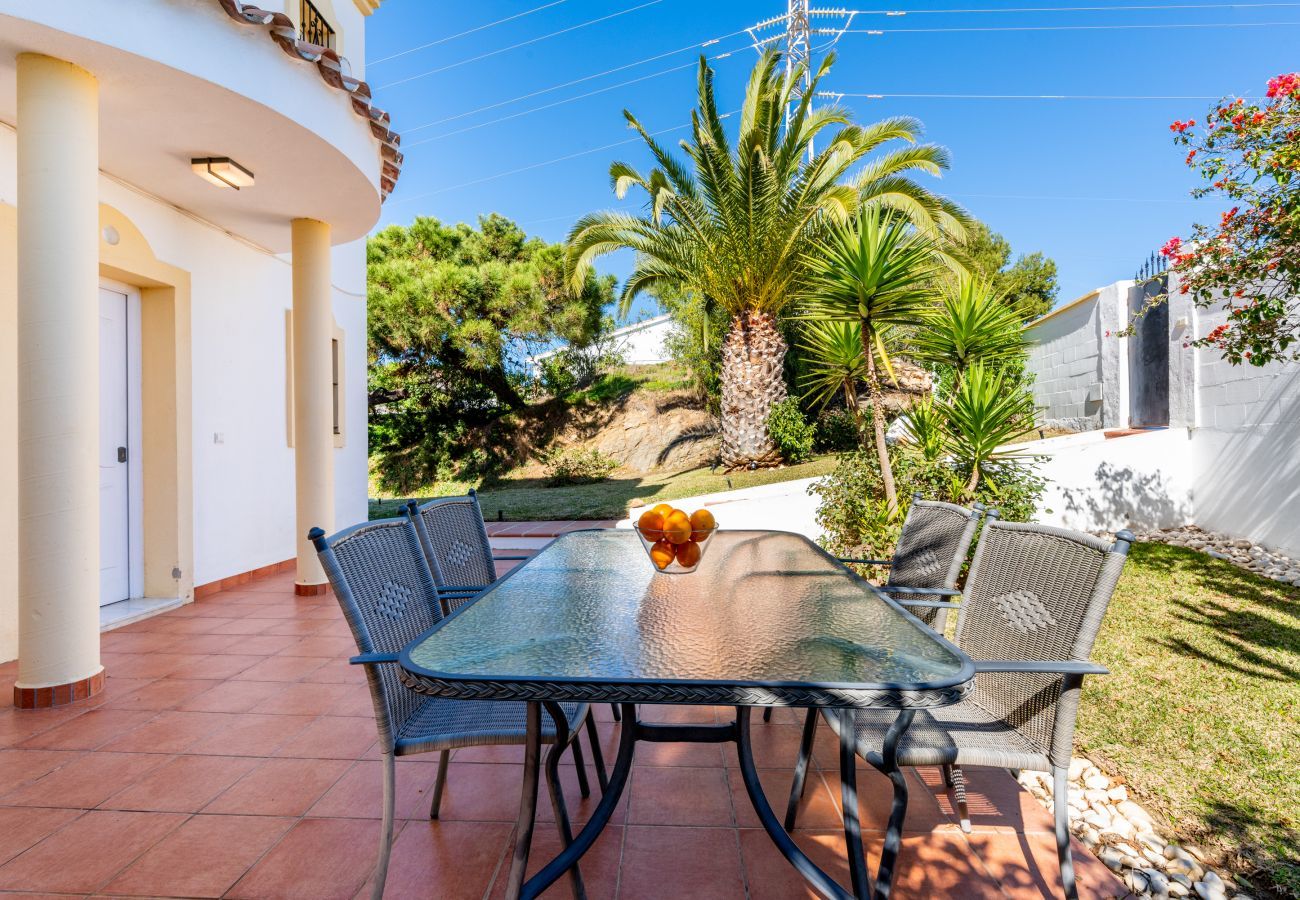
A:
801, 769
580, 762
957, 781
767, 714
438, 785
386, 830
1061, 810
597, 757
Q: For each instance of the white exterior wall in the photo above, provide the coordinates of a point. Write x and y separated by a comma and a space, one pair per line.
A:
643, 343
244, 486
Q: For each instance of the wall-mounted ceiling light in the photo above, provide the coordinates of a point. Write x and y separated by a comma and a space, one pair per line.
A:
222, 171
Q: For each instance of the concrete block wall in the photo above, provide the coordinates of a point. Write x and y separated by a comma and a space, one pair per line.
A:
1065, 358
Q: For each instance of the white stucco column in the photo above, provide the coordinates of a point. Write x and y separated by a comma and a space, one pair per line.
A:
313, 409
58, 383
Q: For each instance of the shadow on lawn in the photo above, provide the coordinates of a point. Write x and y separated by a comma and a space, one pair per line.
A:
1274, 868
1259, 617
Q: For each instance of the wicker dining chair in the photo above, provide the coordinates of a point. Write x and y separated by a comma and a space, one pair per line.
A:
455, 541
1032, 607
385, 587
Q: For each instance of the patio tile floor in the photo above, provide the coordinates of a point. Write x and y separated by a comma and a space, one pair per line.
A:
233, 753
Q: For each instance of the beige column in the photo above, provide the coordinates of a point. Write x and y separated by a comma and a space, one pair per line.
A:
313, 409
58, 383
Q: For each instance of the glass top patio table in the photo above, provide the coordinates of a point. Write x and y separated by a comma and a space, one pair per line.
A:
767, 618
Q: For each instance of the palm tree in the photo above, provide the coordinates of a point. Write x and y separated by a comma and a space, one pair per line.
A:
834, 362
972, 322
737, 224
877, 271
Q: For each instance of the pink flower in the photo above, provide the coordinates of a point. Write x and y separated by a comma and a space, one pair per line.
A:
1284, 85
1171, 246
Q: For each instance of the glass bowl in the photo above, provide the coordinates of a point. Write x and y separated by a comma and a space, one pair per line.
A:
692, 551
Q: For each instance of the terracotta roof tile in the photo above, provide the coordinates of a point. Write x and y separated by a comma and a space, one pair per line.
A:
328, 63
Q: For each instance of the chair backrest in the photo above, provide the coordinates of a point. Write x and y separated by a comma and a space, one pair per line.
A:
455, 540
932, 549
1036, 592
383, 583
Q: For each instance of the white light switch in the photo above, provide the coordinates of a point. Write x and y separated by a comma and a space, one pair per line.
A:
218, 437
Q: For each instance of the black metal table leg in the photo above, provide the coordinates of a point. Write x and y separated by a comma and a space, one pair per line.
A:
558, 805
849, 804
820, 881
595, 825
527, 801
898, 810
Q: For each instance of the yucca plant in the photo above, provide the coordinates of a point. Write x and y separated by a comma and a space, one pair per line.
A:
737, 223
926, 428
876, 271
987, 410
833, 362
972, 322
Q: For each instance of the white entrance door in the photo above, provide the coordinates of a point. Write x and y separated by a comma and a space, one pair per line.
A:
119, 411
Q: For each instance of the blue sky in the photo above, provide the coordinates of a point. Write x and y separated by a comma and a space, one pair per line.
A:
1095, 184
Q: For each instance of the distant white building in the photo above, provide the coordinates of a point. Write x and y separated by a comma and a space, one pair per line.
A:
640, 344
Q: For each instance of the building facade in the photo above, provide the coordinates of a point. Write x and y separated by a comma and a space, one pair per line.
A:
185, 190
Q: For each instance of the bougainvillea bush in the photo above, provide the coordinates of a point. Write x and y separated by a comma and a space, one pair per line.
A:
1249, 153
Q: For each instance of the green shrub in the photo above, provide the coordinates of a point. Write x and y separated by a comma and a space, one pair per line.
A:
852, 511
575, 465
790, 431
556, 374
836, 432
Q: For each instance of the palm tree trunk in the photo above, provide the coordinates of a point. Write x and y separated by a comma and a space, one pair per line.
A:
878, 421
753, 380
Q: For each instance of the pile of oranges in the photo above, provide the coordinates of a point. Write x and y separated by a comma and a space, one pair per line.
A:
674, 535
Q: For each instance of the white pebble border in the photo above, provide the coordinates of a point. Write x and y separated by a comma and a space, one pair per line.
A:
1124, 837
1253, 557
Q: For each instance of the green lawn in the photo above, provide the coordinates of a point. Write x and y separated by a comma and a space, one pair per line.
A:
1202, 710
525, 499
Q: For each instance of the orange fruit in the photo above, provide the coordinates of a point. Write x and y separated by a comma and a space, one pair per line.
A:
688, 554
651, 524
663, 509
661, 554
677, 527
702, 524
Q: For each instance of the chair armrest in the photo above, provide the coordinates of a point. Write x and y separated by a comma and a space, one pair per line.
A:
930, 604
466, 589
1049, 667
367, 659
512, 557
941, 592
865, 562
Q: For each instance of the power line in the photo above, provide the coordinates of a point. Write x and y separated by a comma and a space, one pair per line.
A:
527, 12
556, 87
1099, 97
490, 53
1062, 9
553, 104
549, 162
875, 31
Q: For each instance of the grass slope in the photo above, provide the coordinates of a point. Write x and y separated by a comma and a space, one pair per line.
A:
1202, 710
529, 499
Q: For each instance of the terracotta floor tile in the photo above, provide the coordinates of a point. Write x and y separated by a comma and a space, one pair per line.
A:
170, 732
322, 645
147, 665
185, 784
671, 861
281, 669
90, 730
220, 665
242, 626
996, 801
232, 696
165, 693
1027, 866
769, 876
88, 852
297, 626
448, 860
332, 737
18, 767
85, 782
23, 827
339, 671
775, 746
17, 725
126, 642
679, 796
319, 859
217, 643
819, 810
201, 858
251, 734
307, 699
600, 865
876, 796
359, 792
264, 644
280, 787
648, 754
